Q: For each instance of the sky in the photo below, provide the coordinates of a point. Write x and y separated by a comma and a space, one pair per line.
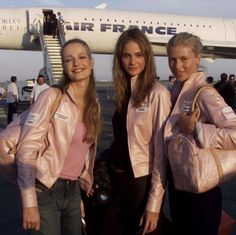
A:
26, 64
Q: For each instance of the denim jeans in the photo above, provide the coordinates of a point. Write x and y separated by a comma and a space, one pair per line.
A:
59, 208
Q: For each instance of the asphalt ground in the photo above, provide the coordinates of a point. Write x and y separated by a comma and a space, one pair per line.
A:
10, 206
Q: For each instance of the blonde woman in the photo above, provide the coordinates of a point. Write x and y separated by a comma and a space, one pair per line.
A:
55, 157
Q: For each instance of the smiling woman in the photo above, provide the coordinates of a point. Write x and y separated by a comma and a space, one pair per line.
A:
77, 63
53, 170
209, 126
137, 161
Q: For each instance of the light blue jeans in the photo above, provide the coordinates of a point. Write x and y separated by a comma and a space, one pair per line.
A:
59, 208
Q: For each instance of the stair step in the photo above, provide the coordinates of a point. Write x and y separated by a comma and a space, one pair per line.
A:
53, 58
56, 62
53, 53
55, 71
53, 49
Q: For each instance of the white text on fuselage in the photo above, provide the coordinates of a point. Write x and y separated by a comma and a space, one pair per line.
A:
119, 28
9, 24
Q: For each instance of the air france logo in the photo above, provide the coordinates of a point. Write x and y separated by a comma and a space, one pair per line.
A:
119, 28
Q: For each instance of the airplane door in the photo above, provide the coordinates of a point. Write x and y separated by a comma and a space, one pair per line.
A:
35, 15
229, 30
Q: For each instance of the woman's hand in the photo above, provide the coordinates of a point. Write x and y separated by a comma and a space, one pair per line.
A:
82, 209
187, 121
91, 192
149, 222
31, 218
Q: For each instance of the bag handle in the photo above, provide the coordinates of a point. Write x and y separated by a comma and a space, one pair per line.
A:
213, 152
218, 165
197, 94
56, 102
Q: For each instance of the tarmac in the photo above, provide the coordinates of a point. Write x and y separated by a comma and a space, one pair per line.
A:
10, 206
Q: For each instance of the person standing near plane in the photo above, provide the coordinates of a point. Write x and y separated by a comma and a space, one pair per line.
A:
54, 24
38, 88
228, 92
223, 81
12, 99
60, 21
55, 158
60, 18
138, 165
212, 120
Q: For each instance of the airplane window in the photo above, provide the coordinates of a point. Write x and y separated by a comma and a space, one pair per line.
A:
108, 20
191, 25
197, 25
137, 21
151, 22
210, 26
144, 22
164, 23
158, 23
204, 26
92, 19
171, 23
100, 19
184, 24
122, 21
178, 24
130, 21
115, 20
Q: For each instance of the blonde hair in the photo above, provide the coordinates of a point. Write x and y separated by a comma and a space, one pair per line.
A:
91, 115
186, 39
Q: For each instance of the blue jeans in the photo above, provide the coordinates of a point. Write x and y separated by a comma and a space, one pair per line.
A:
59, 208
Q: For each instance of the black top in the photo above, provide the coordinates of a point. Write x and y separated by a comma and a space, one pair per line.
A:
120, 155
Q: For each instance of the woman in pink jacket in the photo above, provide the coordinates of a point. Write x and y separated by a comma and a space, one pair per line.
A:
55, 156
138, 164
213, 123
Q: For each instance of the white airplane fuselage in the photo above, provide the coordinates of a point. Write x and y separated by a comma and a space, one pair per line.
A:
101, 28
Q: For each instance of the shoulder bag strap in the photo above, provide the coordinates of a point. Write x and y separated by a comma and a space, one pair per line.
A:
197, 94
213, 152
56, 102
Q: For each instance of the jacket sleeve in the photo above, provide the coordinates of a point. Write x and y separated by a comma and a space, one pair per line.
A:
31, 140
161, 107
218, 129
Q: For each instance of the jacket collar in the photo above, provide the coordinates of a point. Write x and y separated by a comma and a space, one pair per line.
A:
181, 92
70, 93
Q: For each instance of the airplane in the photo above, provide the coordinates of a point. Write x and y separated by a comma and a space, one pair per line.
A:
23, 29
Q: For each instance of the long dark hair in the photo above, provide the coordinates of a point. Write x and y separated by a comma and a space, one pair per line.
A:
91, 114
145, 80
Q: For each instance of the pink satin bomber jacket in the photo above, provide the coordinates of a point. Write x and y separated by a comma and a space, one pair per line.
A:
217, 124
44, 144
145, 126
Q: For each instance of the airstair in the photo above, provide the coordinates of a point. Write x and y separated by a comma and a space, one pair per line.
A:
51, 47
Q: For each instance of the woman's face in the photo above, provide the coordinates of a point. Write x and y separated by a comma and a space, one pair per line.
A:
133, 60
76, 62
182, 62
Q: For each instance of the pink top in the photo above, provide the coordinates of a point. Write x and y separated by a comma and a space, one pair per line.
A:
76, 155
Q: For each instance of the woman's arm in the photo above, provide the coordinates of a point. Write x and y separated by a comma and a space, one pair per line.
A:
217, 125
31, 140
161, 108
